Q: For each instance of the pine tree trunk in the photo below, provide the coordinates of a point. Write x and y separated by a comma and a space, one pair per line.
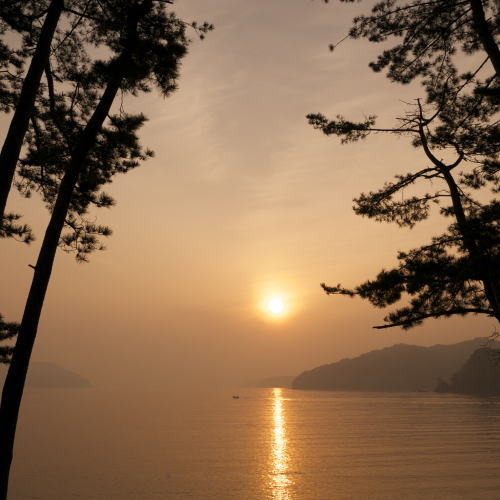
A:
483, 262
24, 108
485, 35
16, 376
485, 267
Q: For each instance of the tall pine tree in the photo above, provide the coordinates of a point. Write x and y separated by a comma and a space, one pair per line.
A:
147, 43
15, 14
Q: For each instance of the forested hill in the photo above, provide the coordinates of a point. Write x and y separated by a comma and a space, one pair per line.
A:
398, 368
479, 376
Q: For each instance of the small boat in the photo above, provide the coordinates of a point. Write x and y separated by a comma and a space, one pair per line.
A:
236, 397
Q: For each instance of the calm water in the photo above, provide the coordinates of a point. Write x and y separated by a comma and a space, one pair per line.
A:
269, 444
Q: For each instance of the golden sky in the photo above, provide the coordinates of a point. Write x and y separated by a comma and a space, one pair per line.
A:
244, 200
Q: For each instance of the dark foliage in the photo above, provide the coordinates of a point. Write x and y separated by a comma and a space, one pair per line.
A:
457, 130
8, 331
425, 38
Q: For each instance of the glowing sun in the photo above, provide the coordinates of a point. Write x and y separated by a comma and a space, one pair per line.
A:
275, 306
276, 302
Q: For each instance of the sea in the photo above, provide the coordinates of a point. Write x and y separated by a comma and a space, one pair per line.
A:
273, 443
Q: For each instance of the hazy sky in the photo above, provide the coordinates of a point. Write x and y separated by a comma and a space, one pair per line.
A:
243, 199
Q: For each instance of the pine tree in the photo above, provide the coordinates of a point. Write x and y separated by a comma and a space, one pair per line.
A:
37, 25
457, 272
48, 30
147, 43
8, 331
429, 35
15, 14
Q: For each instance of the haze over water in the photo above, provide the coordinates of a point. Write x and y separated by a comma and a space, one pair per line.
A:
269, 444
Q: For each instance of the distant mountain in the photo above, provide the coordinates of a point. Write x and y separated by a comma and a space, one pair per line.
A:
278, 381
49, 375
480, 375
399, 368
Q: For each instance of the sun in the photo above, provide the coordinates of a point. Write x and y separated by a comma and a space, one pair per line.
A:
276, 301
276, 306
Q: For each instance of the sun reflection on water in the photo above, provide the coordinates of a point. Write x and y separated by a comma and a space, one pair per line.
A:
280, 482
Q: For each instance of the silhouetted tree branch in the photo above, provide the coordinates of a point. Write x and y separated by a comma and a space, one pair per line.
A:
456, 121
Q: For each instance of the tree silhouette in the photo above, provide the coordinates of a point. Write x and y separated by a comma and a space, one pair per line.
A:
8, 331
62, 36
458, 272
16, 16
429, 35
42, 39
147, 43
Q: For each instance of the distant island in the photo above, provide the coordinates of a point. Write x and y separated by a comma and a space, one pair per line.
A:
43, 375
400, 368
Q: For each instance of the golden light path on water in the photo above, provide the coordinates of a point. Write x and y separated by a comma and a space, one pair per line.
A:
280, 482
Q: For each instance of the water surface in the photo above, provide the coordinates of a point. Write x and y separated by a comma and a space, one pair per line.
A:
268, 444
